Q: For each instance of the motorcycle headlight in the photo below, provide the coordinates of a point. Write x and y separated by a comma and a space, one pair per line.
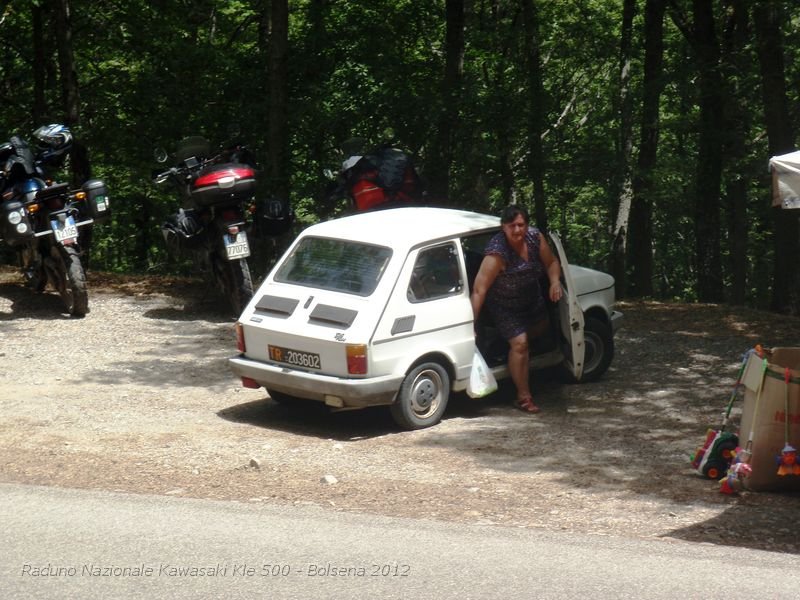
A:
14, 217
22, 228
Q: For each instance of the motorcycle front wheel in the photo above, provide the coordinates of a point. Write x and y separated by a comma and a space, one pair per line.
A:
69, 279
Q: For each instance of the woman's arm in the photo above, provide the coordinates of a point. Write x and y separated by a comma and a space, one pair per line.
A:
491, 266
553, 267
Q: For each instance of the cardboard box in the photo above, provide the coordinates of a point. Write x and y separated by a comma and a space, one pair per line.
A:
762, 432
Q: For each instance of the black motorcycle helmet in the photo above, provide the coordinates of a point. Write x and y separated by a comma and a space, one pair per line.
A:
55, 140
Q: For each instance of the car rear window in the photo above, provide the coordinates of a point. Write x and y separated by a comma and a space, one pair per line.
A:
336, 265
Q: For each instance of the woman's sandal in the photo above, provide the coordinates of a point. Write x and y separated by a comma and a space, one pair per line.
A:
527, 405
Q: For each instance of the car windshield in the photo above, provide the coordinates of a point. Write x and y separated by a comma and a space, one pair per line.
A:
335, 264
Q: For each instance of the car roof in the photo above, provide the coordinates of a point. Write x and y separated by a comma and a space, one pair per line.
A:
404, 227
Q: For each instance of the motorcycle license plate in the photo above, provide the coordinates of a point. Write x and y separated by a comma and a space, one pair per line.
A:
237, 246
65, 231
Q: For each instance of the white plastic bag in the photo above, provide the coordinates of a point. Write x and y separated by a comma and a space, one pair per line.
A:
481, 381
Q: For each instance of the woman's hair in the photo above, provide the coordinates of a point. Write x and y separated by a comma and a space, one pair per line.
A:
511, 212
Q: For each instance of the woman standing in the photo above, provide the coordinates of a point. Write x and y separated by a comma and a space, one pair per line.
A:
514, 262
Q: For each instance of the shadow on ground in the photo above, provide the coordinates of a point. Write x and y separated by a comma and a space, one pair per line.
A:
631, 432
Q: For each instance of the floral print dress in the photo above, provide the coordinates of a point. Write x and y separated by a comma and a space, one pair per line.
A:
515, 300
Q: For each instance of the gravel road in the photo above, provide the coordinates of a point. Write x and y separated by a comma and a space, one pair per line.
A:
137, 397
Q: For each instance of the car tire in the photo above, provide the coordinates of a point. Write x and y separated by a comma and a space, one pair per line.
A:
280, 397
598, 341
422, 398
295, 404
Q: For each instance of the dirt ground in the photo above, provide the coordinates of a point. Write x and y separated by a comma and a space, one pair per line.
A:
137, 397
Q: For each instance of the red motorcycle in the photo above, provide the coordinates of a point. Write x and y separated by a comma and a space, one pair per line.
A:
383, 177
218, 196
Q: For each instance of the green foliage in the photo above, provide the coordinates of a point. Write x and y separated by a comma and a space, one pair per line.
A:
152, 72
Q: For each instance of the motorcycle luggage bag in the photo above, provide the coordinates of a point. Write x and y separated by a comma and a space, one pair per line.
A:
224, 184
96, 204
16, 227
367, 194
276, 216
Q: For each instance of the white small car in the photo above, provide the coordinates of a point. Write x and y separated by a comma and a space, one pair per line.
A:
374, 309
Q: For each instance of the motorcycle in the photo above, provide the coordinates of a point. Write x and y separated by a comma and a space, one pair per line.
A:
42, 220
218, 194
383, 177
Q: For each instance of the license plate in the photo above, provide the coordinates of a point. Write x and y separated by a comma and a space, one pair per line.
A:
294, 357
65, 231
237, 247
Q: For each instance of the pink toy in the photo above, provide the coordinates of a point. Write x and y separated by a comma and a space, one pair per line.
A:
732, 484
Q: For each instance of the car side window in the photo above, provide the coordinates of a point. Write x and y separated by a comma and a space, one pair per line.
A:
436, 274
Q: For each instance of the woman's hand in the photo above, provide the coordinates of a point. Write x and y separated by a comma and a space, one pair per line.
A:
553, 267
556, 292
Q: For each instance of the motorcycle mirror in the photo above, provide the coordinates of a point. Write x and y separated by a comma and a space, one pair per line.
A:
160, 155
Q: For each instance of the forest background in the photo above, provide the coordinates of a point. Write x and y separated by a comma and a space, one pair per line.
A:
640, 130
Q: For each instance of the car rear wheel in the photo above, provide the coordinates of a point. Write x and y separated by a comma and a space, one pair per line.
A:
281, 398
423, 397
296, 405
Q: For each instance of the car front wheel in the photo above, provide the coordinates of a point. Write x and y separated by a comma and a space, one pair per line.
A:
599, 343
422, 398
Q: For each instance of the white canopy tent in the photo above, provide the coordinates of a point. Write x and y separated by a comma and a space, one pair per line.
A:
786, 180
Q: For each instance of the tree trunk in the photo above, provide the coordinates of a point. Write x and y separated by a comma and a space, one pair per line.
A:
81, 169
39, 65
624, 185
709, 160
536, 110
735, 60
767, 16
316, 72
66, 63
277, 136
640, 238
441, 155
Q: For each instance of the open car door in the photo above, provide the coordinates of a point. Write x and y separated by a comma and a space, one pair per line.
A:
570, 315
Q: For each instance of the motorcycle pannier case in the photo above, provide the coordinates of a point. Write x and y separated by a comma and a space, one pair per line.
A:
97, 203
16, 226
224, 184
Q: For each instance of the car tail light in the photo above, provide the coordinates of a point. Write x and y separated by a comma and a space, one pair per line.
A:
356, 359
240, 345
251, 383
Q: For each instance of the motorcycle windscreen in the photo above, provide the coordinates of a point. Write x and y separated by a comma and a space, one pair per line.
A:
570, 315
